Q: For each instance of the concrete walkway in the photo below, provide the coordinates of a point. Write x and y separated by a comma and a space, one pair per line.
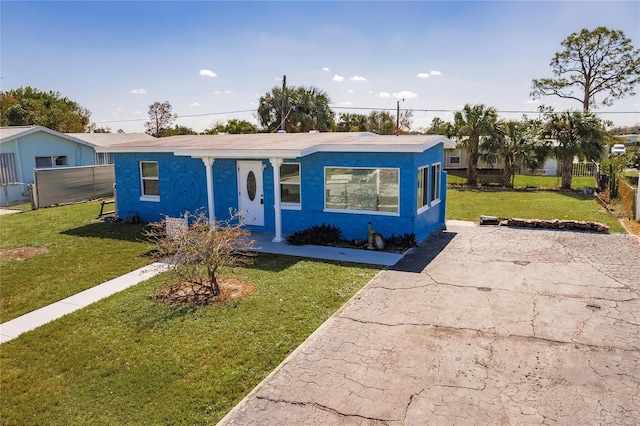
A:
13, 328
481, 325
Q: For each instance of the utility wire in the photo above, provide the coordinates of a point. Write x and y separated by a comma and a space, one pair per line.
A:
360, 108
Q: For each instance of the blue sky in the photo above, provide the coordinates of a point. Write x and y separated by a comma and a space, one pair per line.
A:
212, 60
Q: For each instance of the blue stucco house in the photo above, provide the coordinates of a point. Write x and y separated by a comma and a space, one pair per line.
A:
285, 182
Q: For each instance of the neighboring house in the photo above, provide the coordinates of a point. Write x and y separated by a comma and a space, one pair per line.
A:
287, 182
23, 149
108, 139
456, 159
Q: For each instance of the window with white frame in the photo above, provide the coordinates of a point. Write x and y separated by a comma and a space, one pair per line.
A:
454, 157
362, 189
290, 184
435, 182
149, 178
423, 188
48, 161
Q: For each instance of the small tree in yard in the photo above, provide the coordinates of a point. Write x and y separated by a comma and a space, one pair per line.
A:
200, 251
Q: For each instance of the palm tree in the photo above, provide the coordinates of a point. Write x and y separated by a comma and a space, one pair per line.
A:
575, 134
473, 122
305, 109
516, 144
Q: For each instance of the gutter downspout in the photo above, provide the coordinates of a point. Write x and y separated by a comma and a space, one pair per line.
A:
276, 163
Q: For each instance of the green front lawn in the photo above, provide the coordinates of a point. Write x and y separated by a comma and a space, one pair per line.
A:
470, 204
130, 360
81, 254
524, 181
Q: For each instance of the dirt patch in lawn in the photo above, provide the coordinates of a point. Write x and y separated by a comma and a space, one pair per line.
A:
22, 253
186, 293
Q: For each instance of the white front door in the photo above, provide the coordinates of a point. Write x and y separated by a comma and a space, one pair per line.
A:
250, 192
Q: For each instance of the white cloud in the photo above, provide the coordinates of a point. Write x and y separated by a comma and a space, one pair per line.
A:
137, 112
208, 73
337, 77
383, 95
347, 103
358, 78
228, 92
138, 91
326, 69
405, 94
217, 92
428, 74
351, 91
532, 101
195, 104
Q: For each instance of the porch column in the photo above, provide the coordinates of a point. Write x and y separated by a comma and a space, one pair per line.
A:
208, 165
276, 162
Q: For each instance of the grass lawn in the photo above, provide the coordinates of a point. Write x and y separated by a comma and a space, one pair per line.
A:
81, 254
470, 204
130, 360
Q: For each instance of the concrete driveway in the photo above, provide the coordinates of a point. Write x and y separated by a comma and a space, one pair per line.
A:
480, 326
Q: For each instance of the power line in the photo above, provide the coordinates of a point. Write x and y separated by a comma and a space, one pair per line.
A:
361, 108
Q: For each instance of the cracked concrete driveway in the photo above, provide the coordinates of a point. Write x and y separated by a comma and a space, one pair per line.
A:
478, 326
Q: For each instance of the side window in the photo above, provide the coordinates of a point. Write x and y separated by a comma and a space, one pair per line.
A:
47, 161
423, 188
149, 179
290, 184
435, 182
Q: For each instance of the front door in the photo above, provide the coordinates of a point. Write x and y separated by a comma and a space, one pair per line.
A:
250, 192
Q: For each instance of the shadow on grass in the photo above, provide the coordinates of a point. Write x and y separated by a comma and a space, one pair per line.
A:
112, 230
428, 249
279, 262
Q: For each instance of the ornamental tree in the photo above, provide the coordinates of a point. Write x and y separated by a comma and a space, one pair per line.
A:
598, 63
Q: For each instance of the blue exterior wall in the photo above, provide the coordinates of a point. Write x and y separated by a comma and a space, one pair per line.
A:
182, 181
183, 188
354, 225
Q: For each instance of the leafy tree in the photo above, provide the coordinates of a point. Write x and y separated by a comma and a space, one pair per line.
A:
379, 122
28, 106
352, 123
574, 134
440, 127
472, 123
160, 119
305, 109
92, 128
200, 251
233, 126
179, 130
598, 62
517, 145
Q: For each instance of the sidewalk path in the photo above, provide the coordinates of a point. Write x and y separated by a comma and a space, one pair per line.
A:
12, 329
480, 325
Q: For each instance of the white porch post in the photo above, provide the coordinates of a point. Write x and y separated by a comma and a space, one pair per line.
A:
208, 165
276, 162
